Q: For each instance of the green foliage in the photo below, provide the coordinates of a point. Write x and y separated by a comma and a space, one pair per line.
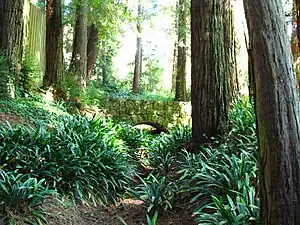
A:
71, 87
144, 96
151, 77
77, 156
34, 113
214, 172
150, 221
19, 192
153, 220
156, 192
29, 78
242, 116
91, 159
227, 171
136, 141
96, 94
243, 209
5, 77
163, 150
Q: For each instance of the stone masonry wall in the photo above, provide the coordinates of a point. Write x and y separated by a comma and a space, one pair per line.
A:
138, 111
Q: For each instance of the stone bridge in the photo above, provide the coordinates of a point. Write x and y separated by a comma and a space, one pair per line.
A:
136, 112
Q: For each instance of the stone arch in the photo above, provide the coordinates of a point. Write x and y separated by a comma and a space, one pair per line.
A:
158, 128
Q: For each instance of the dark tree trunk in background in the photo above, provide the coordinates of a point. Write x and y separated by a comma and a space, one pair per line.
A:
79, 55
230, 52
295, 37
209, 75
92, 50
180, 90
298, 21
174, 68
277, 109
104, 67
11, 39
138, 55
175, 52
54, 44
106, 62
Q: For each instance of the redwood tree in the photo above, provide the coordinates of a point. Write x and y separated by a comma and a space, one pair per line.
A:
180, 87
209, 74
54, 44
92, 50
277, 110
138, 55
78, 64
11, 36
230, 62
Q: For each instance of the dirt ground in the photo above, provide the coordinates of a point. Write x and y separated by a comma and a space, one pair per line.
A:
11, 118
131, 211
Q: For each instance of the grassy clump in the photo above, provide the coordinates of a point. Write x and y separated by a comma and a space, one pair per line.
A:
96, 160
75, 156
30, 112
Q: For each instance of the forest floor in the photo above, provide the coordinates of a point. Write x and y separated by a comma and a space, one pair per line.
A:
133, 212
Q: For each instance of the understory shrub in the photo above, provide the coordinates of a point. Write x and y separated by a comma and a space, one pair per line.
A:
95, 160
157, 192
136, 140
22, 197
163, 150
242, 117
243, 209
78, 156
34, 113
220, 181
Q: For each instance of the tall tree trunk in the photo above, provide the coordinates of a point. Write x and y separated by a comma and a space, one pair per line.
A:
11, 36
174, 68
104, 64
209, 75
175, 52
298, 20
180, 90
79, 55
230, 52
295, 37
54, 44
138, 55
277, 109
92, 50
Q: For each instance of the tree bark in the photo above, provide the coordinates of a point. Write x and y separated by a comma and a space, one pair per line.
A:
92, 50
79, 55
277, 109
209, 75
180, 90
138, 55
175, 51
11, 39
54, 44
104, 64
230, 52
174, 68
298, 21
295, 37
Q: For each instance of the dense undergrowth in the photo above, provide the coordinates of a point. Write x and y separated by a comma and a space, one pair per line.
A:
96, 95
59, 156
